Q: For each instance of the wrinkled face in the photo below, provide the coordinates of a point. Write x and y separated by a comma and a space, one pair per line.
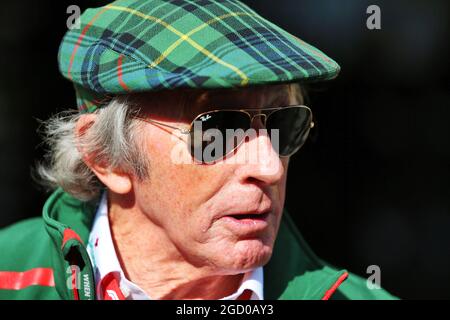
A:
223, 216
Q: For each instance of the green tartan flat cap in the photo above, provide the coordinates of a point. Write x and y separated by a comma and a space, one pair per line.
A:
147, 45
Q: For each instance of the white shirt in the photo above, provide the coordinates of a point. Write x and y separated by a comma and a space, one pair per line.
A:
104, 259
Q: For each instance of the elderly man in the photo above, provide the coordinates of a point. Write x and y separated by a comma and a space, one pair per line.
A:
170, 178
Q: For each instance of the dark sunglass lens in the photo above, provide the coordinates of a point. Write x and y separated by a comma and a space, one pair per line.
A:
289, 128
217, 133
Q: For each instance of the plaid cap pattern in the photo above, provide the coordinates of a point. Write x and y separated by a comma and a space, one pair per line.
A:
141, 45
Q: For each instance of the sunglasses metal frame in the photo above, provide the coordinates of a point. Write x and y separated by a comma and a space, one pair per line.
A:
246, 111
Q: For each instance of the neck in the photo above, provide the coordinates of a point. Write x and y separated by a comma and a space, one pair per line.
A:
151, 260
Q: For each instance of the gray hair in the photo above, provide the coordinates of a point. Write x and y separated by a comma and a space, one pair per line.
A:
113, 138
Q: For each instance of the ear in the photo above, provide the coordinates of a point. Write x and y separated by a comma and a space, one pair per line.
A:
114, 179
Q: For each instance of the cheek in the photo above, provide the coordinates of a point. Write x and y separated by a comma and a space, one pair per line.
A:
177, 188
282, 184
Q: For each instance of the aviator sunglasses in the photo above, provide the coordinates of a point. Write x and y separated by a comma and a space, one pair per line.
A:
292, 125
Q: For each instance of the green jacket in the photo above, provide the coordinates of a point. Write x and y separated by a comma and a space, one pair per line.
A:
36, 256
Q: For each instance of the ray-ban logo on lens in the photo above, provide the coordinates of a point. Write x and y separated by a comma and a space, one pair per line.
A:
204, 118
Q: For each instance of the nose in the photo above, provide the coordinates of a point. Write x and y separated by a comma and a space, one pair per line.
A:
257, 159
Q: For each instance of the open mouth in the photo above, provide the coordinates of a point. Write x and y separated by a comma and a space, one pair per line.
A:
246, 224
253, 216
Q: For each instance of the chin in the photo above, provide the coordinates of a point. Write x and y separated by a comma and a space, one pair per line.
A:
247, 255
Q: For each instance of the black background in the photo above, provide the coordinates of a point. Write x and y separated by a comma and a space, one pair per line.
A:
372, 186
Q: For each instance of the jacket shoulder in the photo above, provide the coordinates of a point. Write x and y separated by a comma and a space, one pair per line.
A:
25, 262
356, 288
21, 238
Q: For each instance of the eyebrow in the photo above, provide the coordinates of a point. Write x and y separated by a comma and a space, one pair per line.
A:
213, 100
283, 99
